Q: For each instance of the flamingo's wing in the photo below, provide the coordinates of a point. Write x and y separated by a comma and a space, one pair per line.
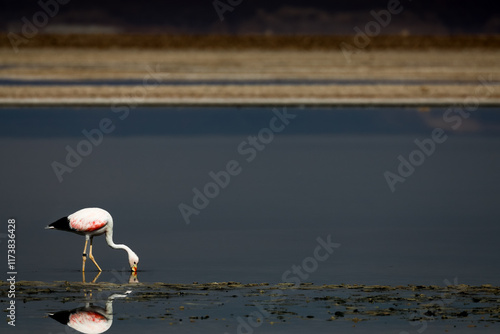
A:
86, 225
88, 220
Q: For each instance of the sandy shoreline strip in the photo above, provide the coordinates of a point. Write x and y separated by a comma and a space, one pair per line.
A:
440, 77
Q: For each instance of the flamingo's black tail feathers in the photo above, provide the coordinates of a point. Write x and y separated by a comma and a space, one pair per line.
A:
60, 224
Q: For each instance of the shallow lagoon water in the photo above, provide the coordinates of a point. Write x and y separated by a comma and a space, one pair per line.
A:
322, 175
246, 308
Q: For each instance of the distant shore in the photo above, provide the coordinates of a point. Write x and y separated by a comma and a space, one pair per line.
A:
191, 70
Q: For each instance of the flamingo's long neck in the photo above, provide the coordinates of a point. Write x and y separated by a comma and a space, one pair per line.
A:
111, 243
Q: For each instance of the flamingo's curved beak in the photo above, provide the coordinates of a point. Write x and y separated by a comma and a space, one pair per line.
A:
134, 268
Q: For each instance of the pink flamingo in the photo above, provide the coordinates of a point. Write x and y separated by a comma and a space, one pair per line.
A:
92, 222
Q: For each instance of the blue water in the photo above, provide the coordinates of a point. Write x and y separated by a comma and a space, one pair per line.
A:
322, 174
318, 174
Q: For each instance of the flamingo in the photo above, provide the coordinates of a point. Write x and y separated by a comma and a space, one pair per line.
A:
92, 222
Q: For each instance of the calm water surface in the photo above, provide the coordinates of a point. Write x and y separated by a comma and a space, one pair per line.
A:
317, 174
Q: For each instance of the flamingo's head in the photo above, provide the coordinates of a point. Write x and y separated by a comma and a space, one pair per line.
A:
133, 260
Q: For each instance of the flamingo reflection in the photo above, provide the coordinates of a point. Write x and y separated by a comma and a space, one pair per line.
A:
89, 319
132, 278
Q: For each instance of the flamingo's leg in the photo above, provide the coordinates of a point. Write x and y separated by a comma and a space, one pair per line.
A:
84, 254
91, 256
96, 277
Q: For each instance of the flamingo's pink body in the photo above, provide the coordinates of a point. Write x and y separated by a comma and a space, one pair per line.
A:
83, 225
